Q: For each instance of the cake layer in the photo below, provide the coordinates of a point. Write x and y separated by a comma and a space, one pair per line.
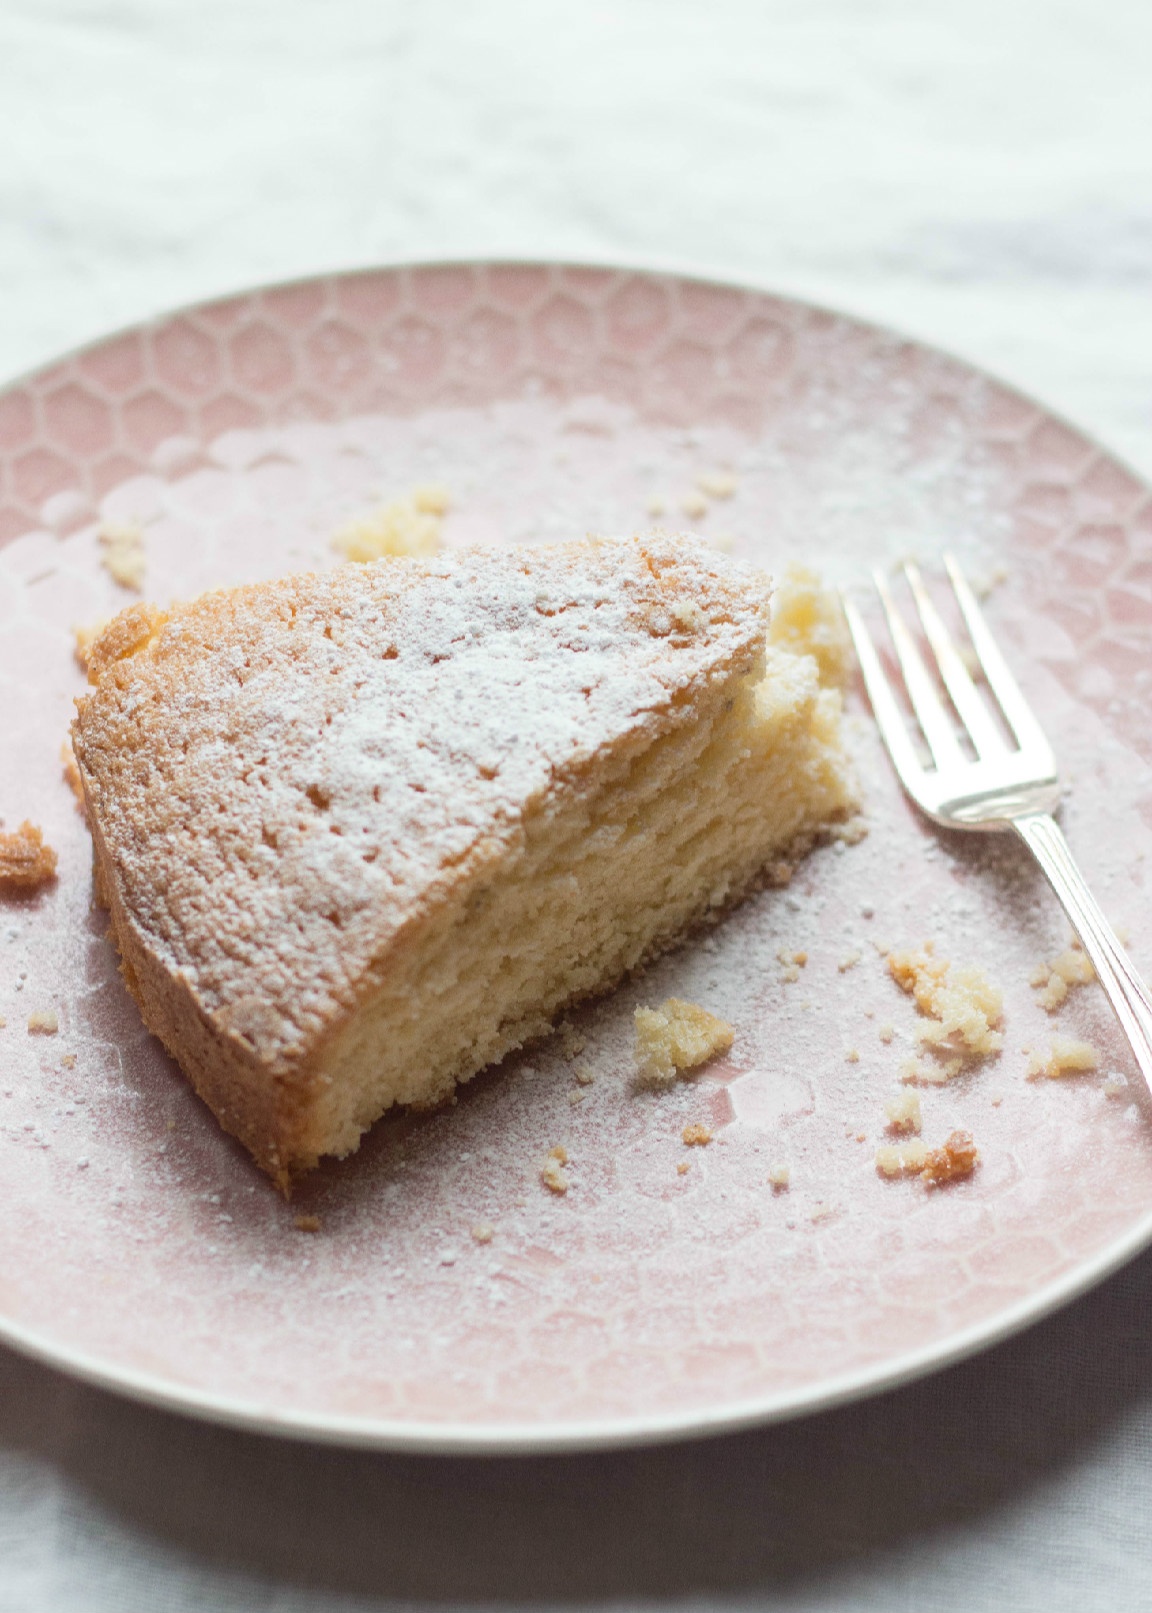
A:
364, 832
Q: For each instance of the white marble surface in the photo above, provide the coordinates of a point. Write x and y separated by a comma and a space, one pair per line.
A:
977, 175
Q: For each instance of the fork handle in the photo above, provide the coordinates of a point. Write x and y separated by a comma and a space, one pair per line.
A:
1126, 991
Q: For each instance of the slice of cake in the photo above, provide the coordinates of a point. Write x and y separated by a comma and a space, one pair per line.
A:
363, 833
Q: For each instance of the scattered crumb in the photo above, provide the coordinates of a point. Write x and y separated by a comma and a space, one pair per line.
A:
571, 1040
123, 558
483, 1232
1052, 980
584, 1075
883, 948
779, 1176
3, 1022
821, 1211
793, 963
682, 1168
676, 1036
886, 1033
861, 1136
693, 504
807, 618
903, 1111
996, 1099
307, 1223
407, 526
850, 833
72, 776
696, 1136
961, 1006
957, 1157
577, 1095
932, 1074
69, 1061
849, 960
1067, 1057
25, 860
43, 1022
1116, 1086
85, 638
901, 1159
852, 1056
656, 507
717, 483
552, 1174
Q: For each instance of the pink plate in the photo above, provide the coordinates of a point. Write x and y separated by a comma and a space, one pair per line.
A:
140, 1248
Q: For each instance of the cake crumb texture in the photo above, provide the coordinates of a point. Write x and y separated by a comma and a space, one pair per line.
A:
903, 1111
807, 619
901, 1159
962, 1009
956, 1157
696, 1136
43, 1022
26, 861
122, 554
677, 1036
1066, 1057
407, 526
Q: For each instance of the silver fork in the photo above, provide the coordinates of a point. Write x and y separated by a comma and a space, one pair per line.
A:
1005, 787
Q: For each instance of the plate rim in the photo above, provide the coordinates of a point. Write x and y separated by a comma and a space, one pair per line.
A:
493, 1439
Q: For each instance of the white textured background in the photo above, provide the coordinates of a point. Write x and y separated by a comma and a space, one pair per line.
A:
977, 174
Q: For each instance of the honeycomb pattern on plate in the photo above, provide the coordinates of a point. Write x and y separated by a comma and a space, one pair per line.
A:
549, 400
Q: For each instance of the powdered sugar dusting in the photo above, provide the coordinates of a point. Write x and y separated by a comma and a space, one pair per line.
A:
140, 1235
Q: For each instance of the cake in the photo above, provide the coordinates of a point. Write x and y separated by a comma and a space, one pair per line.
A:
363, 833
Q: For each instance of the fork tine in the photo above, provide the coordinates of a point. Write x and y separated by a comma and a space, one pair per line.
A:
1000, 680
982, 731
926, 703
889, 717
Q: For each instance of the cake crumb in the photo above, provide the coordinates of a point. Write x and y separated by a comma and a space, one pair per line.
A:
920, 1072
404, 527
779, 1175
43, 1022
1053, 979
852, 1056
901, 1159
577, 1095
307, 1223
1066, 1057
903, 1111
996, 1099
886, 1033
807, 619
849, 960
572, 1041
123, 557
483, 1232
717, 483
682, 1168
674, 1037
821, 1211
793, 962
69, 1061
693, 504
696, 1136
84, 638
25, 860
957, 1157
1116, 1086
72, 776
961, 1007
584, 1075
552, 1173
656, 507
